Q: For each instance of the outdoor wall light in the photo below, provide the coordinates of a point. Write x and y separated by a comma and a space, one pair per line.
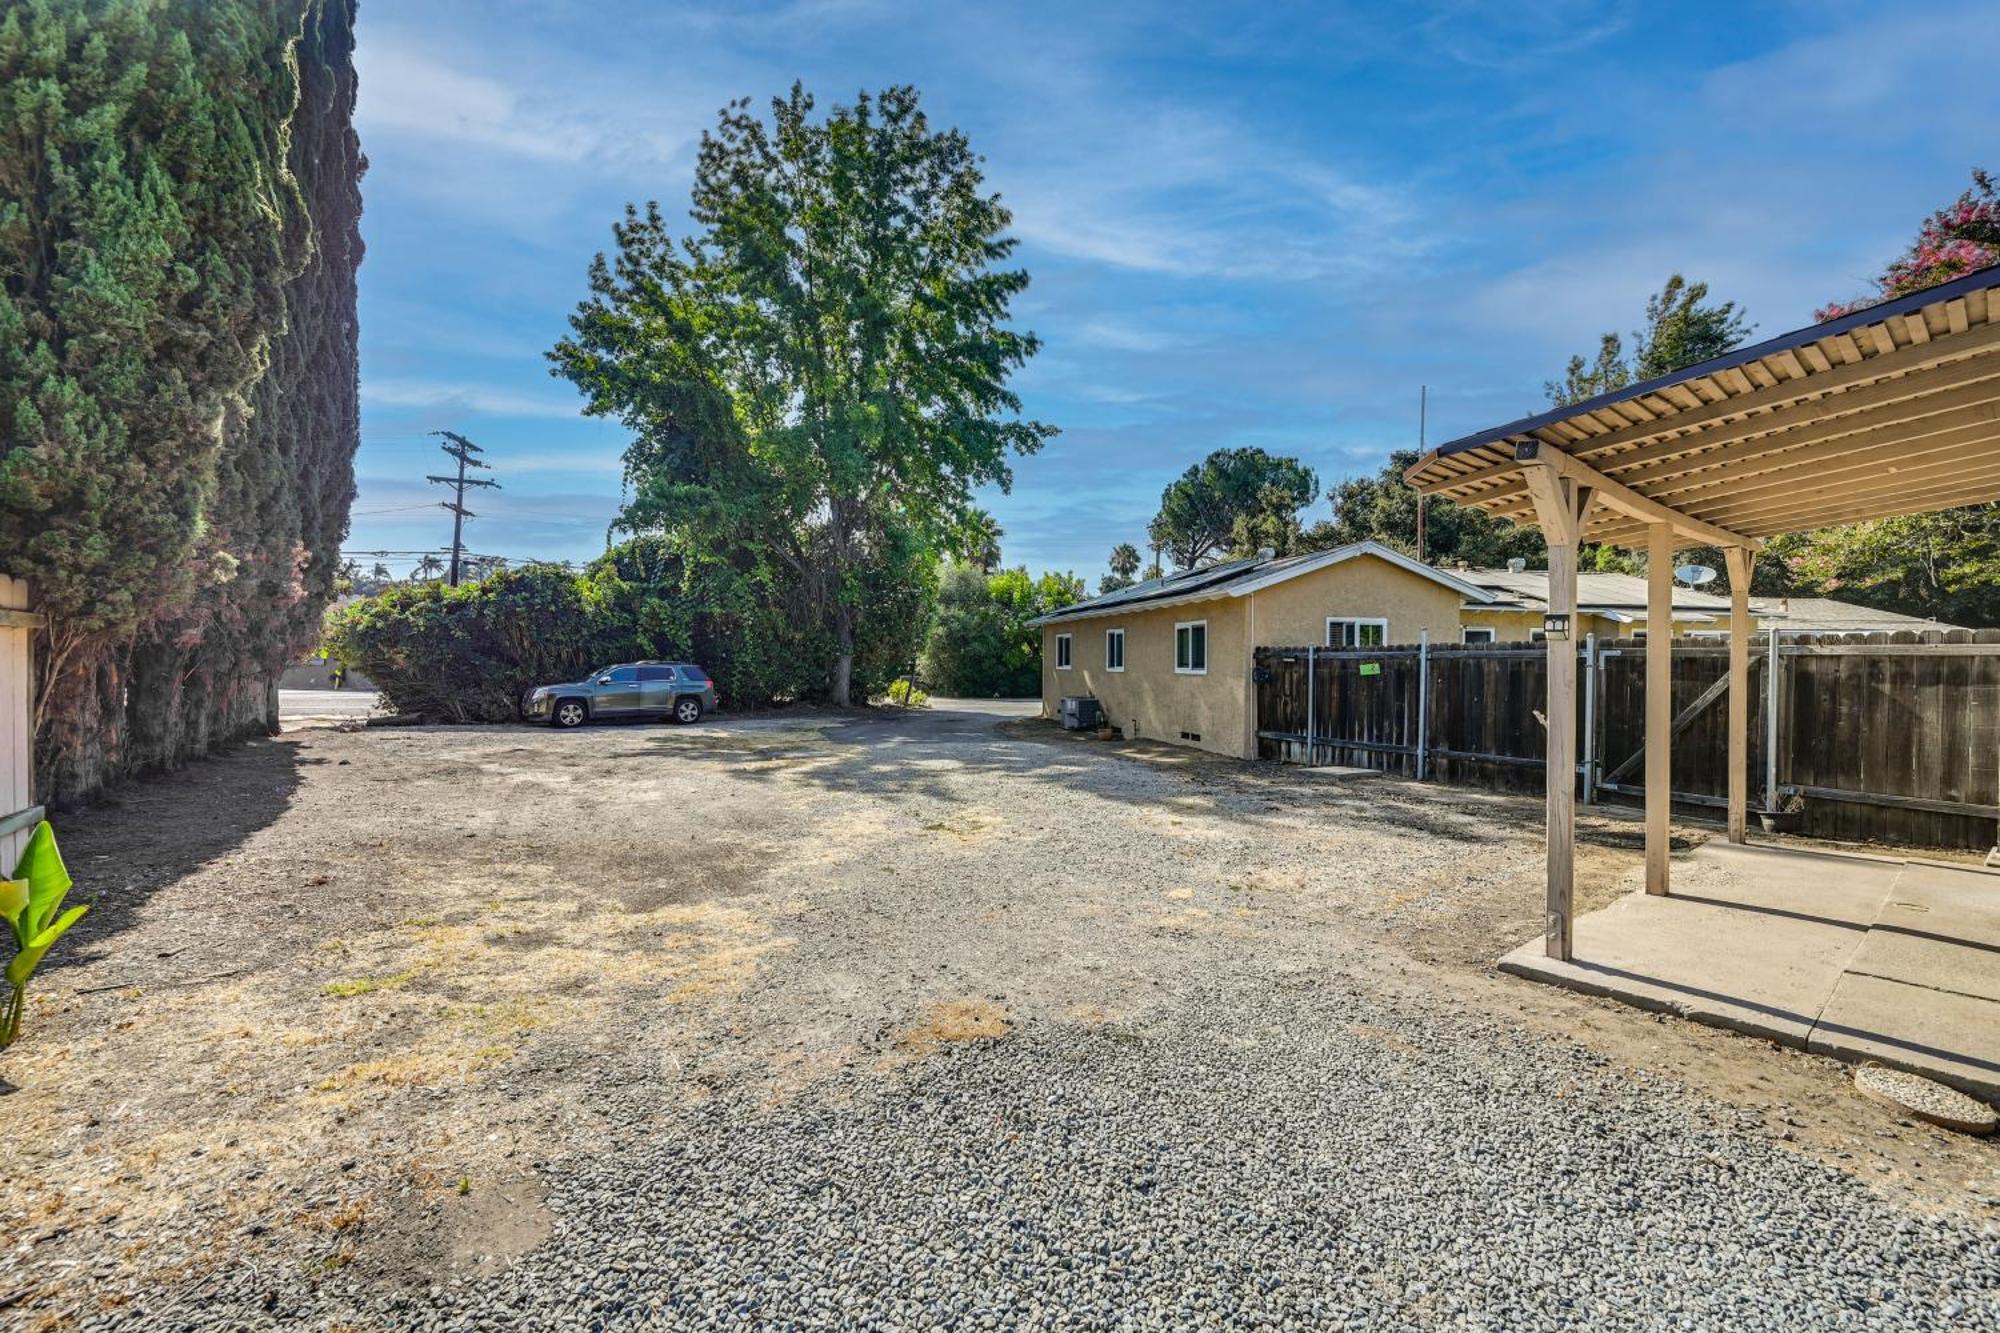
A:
1555, 628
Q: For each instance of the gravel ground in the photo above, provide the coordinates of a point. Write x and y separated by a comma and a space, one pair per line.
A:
906, 1021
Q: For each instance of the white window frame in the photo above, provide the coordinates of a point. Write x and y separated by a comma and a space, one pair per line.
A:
1486, 633
1380, 622
1064, 654
1191, 670
1109, 635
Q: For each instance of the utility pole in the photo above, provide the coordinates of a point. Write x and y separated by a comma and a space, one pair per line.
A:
457, 446
1423, 410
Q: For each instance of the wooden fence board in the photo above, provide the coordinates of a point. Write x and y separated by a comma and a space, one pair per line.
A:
1907, 724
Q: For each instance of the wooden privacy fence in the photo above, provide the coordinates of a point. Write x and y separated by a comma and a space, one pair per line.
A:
1892, 737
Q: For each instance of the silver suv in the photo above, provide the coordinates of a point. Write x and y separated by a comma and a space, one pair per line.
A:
631, 689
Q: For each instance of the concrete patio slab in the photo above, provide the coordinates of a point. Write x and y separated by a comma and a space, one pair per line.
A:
1952, 1038
1854, 956
1940, 927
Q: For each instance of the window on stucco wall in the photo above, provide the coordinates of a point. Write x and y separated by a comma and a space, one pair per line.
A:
1356, 632
1191, 647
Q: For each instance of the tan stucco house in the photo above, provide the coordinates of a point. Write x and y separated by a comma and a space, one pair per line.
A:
1170, 658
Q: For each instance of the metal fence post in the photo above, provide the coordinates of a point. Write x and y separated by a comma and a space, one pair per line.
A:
1423, 703
1590, 667
1312, 691
1771, 685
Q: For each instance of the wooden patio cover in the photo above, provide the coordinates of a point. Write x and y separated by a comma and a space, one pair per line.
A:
1894, 409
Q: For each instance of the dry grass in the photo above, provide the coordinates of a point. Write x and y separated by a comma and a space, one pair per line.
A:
951, 1021
966, 825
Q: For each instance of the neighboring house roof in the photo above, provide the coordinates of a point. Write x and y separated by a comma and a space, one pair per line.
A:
1239, 578
1620, 597
1830, 614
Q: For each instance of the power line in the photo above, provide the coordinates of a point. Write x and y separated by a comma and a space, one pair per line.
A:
457, 446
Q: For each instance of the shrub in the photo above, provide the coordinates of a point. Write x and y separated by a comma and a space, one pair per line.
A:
468, 654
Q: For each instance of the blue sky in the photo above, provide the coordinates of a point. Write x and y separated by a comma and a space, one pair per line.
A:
1265, 227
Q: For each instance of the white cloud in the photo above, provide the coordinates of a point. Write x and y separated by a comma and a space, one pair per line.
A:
545, 112
1193, 196
408, 93
1122, 337
1523, 33
491, 400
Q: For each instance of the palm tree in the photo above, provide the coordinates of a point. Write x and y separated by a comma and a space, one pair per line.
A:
981, 536
428, 568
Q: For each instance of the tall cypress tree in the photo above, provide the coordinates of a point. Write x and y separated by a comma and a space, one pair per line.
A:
155, 233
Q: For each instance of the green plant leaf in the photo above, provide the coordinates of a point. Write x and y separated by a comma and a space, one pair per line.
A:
48, 879
13, 897
24, 963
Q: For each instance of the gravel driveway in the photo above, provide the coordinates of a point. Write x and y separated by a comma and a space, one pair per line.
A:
905, 1020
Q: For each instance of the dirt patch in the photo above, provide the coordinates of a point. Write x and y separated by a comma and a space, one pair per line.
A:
951, 1021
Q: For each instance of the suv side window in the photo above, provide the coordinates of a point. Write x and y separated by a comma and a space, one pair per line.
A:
695, 674
624, 675
656, 673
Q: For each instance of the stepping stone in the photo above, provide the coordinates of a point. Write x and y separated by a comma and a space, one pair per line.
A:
1925, 1099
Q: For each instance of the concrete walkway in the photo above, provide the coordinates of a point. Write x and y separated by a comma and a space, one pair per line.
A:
1851, 956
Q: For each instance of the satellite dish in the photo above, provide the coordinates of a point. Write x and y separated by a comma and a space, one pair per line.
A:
1695, 575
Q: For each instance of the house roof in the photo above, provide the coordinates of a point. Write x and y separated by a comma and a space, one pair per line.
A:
1830, 614
1239, 578
1530, 587
1623, 596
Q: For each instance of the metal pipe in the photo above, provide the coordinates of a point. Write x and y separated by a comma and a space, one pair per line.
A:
1423, 703
1312, 690
1771, 668
1590, 667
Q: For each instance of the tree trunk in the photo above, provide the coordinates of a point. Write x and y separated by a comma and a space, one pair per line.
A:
843, 665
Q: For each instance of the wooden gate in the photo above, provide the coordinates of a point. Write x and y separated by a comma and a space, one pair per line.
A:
1884, 736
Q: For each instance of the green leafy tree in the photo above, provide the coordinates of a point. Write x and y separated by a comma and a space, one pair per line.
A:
980, 644
1199, 511
1945, 564
1682, 328
1124, 566
1383, 508
817, 378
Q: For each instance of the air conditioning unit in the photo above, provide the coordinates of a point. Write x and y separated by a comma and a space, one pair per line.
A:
1079, 712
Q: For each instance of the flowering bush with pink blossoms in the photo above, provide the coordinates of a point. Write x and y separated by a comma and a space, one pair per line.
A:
1956, 239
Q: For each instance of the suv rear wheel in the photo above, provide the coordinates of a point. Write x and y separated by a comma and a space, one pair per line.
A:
687, 709
569, 713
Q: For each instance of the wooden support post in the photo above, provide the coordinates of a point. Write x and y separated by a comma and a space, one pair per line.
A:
1659, 703
1560, 505
1740, 563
